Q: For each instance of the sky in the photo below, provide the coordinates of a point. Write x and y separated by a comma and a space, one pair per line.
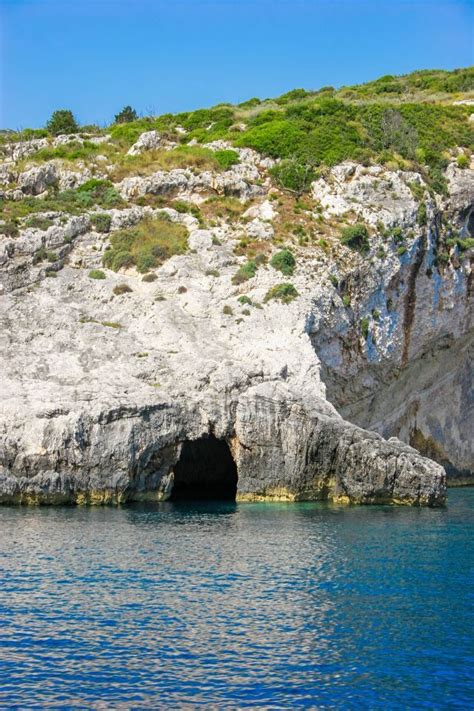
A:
95, 56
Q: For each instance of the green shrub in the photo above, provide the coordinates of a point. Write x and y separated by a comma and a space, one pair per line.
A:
278, 138
101, 221
62, 121
118, 259
146, 245
245, 300
422, 215
364, 326
188, 207
245, 272
93, 192
284, 261
462, 161
293, 176
466, 243
401, 250
226, 158
9, 229
356, 237
40, 255
126, 115
43, 254
227, 310
397, 235
144, 261
346, 300
150, 276
96, 274
121, 289
281, 292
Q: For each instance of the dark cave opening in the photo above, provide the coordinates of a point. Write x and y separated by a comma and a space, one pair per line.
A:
205, 471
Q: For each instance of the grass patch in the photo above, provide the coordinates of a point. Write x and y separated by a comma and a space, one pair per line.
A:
146, 245
222, 207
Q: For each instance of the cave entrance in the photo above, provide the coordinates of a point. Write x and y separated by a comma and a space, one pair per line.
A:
205, 470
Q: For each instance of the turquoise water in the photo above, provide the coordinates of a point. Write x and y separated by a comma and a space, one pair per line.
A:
264, 606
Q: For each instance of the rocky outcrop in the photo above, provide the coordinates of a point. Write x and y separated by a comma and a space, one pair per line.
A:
411, 375
150, 140
240, 182
281, 453
105, 389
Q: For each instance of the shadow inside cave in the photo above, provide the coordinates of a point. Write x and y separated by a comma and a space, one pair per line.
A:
205, 471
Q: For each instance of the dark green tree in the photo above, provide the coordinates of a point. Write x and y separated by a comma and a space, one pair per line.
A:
126, 115
62, 121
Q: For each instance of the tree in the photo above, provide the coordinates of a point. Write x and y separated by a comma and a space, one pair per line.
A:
62, 121
126, 115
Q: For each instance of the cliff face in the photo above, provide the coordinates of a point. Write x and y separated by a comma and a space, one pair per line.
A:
411, 377
103, 388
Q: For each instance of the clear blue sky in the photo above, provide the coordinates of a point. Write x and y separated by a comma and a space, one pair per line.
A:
94, 56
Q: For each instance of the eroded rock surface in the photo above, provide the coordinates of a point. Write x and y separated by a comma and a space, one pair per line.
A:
101, 389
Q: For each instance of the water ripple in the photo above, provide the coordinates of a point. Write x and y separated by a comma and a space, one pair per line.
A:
228, 606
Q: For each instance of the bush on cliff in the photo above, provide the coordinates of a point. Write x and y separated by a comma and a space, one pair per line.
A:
284, 261
356, 237
146, 245
281, 292
245, 272
101, 221
294, 176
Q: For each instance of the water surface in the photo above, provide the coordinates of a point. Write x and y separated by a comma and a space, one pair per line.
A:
225, 605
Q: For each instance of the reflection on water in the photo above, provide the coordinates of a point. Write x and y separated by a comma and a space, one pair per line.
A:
254, 605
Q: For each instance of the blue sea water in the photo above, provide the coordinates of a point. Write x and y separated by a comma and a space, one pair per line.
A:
268, 606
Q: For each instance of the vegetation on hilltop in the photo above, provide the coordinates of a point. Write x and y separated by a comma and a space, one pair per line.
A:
406, 122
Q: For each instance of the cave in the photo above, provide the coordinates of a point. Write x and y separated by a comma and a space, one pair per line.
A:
205, 471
